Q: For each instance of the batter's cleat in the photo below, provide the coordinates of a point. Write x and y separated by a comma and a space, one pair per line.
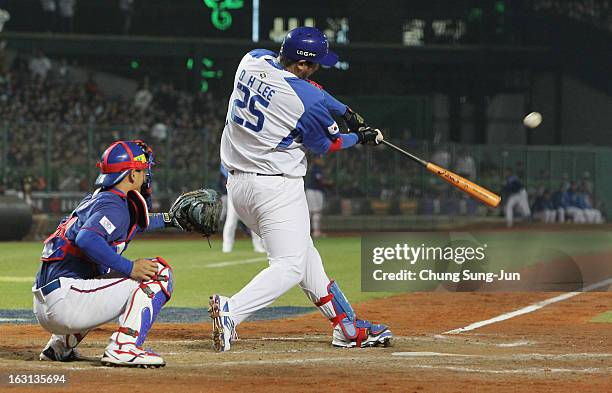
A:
362, 334
224, 329
57, 350
129, 355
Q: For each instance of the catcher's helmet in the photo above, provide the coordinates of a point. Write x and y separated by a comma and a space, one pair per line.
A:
308, 43
120, 158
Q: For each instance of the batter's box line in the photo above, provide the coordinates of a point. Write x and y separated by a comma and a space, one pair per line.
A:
531, 308
529, 370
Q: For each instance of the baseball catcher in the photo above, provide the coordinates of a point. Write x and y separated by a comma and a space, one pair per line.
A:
84, 281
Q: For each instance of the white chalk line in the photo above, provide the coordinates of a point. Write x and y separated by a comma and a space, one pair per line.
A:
529, 370
531, 308
522, 356
236, 262
521, 343
2, 320
429, 354
17, 279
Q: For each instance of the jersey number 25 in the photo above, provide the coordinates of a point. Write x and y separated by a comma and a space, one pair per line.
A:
240, 105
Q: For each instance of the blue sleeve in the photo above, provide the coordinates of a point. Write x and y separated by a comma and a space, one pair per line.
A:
156, 221
349, 140
565, 199
98, 250
257, 53
334, 106
317, 128
107, 223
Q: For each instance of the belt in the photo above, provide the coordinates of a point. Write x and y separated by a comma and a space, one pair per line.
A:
233, 172
50, 287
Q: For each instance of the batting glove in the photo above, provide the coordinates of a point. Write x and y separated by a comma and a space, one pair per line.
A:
369, 136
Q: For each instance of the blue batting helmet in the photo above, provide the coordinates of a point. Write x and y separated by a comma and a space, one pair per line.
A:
120, 158
308, 43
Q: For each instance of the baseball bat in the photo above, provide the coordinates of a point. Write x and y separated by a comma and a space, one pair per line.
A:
482, 194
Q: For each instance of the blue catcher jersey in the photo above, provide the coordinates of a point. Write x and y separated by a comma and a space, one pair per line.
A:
89, 242
273, 117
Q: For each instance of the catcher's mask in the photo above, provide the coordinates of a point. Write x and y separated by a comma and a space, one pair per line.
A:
120, 158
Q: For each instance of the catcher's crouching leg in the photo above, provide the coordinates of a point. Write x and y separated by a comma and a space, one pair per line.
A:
125, 346
62, 348
349, 331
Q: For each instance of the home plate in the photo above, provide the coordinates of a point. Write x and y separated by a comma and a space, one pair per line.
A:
426, 354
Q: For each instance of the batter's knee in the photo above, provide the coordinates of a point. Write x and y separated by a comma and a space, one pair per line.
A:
293, 267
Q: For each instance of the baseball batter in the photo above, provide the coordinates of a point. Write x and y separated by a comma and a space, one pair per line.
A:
274, 116
84, 282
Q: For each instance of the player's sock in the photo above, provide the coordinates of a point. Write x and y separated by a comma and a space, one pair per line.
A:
349, 331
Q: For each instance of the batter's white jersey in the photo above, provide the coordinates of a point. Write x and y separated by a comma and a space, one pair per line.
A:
273, 116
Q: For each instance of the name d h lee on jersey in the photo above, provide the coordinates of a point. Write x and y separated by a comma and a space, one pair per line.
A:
261, 87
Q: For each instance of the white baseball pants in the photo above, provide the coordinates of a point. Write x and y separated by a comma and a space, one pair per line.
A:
519, 200
546, 215
315, 200
593, 216
229, 229
576, 214
275, 208
80, 305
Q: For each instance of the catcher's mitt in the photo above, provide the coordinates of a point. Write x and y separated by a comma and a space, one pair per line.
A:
197, 211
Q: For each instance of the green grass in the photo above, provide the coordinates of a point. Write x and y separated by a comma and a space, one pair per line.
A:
341, 257
194, 281
603, 317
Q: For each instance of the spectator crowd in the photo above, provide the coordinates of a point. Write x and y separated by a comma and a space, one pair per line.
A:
49, 118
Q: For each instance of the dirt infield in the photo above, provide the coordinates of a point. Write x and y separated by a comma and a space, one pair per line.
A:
553, 349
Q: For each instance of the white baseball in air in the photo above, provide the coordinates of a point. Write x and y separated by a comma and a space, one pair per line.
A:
532, 120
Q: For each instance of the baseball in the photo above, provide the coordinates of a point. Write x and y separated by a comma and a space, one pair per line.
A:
532, 120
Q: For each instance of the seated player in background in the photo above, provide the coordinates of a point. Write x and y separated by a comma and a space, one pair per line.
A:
543, 208
575, 205
591, 215
84, 282
559, 201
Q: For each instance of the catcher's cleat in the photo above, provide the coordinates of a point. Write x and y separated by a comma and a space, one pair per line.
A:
51, 354
366, 334
57, 349
224, 329
129, 355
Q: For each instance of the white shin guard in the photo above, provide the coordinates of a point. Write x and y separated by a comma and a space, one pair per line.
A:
144, 306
